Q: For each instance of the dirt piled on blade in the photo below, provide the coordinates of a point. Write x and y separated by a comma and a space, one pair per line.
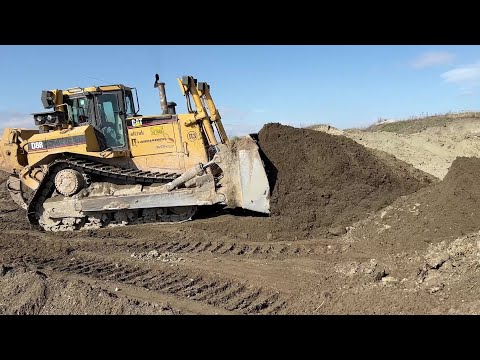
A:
323, 183
445, 211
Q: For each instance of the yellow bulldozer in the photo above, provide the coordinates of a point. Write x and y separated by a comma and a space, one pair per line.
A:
94, 161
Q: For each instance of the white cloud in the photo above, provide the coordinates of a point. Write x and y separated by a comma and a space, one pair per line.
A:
466, 75
432, 58
16, 120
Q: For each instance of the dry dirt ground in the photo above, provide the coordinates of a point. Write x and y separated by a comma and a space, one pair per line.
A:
400, 241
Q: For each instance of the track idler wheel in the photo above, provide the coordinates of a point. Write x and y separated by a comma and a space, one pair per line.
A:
68, 182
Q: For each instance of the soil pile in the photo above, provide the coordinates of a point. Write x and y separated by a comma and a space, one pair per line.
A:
325, 183
445, 211
432, 151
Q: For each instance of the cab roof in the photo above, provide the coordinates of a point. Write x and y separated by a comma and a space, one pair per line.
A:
79, 90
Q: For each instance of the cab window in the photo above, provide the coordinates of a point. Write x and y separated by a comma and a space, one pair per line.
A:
77, 110
111, 124
129, 105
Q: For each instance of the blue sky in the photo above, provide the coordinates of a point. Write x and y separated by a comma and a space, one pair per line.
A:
344, 86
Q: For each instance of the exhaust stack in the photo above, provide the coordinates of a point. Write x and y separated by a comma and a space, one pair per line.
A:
163, 95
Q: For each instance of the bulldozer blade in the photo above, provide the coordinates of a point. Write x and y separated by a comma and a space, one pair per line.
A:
245, 177
254, 186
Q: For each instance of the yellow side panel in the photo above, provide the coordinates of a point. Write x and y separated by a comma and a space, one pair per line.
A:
154, 139
79, 140
168, 162
192, 142
163, 144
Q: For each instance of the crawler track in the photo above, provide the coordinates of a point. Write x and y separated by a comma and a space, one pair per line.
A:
99, 220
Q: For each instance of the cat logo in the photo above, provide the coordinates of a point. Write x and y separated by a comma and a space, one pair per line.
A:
137, 122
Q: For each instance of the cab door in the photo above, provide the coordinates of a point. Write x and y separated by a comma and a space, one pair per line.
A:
111, 119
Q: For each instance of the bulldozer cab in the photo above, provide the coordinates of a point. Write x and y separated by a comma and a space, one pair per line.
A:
106, 111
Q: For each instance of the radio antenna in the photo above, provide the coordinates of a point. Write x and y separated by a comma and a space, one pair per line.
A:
103, 81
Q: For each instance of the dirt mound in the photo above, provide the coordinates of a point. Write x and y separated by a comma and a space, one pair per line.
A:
444, 211
420, 124
323, 183
432, 150
326, 128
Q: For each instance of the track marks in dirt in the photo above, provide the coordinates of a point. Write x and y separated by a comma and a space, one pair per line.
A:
225, 293
260, 250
